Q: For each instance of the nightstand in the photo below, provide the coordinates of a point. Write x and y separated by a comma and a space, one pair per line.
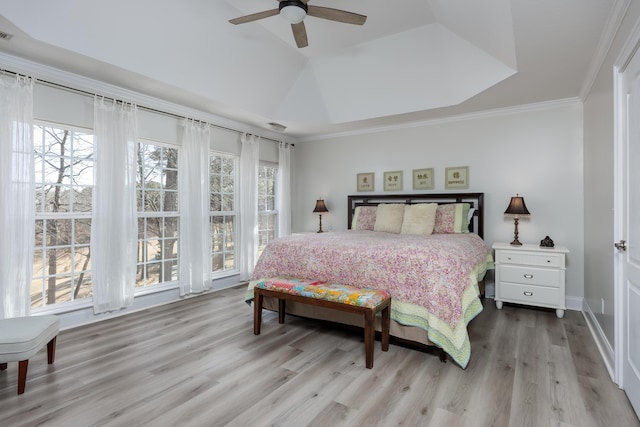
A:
531, 275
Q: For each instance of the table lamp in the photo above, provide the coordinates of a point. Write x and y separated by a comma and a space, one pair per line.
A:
516, 209
320, 208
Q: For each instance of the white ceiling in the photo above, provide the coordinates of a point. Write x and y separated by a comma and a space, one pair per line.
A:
413, 60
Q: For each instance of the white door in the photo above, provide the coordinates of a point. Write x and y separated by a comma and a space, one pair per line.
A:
628, 228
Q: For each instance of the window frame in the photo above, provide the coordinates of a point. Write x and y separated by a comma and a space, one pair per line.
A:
144, 215
41, 246
274, 213
224, 214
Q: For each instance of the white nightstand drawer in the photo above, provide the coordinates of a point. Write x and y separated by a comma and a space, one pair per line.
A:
530, 275
541, 259
532, 295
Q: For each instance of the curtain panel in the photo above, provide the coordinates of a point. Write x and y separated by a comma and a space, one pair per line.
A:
193, 193
114, 228
283, 189
17, 195
249, 158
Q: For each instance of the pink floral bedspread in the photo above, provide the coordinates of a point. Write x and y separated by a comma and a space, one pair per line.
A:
430, 271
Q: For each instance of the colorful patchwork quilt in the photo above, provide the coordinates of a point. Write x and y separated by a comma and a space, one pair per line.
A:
370, 298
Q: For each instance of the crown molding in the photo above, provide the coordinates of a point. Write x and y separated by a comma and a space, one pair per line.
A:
611, 28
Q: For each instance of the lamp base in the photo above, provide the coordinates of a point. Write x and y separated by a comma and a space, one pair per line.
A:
320, 228
515, 242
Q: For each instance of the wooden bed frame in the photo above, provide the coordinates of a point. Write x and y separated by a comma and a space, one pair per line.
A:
408, 335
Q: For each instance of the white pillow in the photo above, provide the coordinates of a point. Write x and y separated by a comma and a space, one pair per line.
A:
419, 219
389, 217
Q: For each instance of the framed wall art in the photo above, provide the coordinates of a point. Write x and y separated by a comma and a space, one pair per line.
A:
393, 181
423, 179
365, 182
456, 177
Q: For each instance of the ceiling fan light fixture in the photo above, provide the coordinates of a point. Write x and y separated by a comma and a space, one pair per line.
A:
293, 11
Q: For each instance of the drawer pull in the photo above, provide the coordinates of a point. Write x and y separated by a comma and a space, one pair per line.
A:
528, 276
527, 293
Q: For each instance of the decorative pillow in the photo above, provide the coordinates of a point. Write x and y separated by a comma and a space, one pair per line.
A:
470, 216
389, 217
364, 218
419, 219
452, 218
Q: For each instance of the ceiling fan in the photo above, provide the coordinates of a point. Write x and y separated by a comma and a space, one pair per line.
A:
295, 11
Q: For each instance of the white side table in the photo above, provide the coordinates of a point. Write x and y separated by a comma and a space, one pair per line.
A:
530, 274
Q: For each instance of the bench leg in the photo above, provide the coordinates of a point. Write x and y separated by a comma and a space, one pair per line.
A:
23, 365
385, 325
369, 336
282, 306
257, 312
51, 350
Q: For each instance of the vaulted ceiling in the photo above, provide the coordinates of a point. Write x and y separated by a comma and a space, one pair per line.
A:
412, 60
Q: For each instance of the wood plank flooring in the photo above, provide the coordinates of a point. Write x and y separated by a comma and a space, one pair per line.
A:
197, 363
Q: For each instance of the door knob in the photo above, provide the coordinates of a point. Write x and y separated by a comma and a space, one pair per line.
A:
621, 246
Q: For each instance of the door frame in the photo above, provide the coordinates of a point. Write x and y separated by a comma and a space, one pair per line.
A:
631, 47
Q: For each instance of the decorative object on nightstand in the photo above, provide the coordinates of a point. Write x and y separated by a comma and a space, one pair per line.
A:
531, 275
517, 209
546, 242
320, 208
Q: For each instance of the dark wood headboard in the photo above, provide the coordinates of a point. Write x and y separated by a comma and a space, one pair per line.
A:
475, 200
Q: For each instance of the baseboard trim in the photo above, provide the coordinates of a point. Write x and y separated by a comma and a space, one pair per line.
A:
83, 315
607, 353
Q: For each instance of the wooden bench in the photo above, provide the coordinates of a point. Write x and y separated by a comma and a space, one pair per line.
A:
339, 297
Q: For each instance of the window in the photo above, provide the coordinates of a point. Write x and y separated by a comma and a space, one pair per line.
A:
64, 183
157, 195
267, 213
223, 215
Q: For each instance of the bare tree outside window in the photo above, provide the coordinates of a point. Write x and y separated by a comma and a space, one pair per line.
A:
267, 213
222, 188
157, 195
64, 183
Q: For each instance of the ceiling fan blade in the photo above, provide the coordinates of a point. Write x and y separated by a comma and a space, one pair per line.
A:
336, 15
254, 16
300, 34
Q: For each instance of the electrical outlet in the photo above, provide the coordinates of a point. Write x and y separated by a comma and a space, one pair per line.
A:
602, 303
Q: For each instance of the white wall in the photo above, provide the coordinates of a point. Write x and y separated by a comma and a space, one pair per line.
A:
535, 152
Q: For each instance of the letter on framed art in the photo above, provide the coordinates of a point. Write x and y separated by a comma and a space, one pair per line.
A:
456, 177
366, 182
393, 181
423, 179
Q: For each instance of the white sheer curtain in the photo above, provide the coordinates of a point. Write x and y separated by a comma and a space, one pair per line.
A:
17, 195
114, 219
193, 193
249, 157
283, 190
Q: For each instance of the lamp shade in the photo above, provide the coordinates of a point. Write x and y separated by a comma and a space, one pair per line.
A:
517, 207
320, 207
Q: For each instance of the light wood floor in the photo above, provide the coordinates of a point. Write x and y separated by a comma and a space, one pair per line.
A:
197, 363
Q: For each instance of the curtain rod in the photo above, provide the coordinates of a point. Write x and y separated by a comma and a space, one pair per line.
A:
142, 107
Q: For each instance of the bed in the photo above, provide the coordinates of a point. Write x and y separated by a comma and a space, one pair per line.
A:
425, 249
